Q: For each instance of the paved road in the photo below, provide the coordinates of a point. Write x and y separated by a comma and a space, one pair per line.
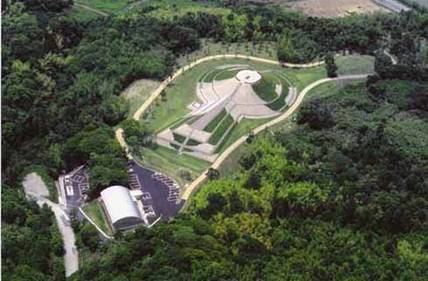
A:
71, 257
196, 183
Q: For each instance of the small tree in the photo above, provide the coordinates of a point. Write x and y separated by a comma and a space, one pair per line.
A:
383, 64
250, 137
213, 174
330, 65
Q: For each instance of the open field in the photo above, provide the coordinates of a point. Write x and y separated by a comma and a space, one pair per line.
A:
332, 8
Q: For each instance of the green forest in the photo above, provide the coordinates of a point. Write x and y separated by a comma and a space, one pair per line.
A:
341, 196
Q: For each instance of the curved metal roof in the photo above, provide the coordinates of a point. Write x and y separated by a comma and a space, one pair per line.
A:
119, 204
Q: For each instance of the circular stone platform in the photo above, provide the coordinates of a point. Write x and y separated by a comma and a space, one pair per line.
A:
248, 76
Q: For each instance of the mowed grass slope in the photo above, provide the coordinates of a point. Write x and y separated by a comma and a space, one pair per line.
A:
95, 212
182, 91
171, 163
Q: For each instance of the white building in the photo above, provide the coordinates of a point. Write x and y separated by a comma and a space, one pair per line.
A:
120, 207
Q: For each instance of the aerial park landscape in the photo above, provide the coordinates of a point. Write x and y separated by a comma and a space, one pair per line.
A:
214, 140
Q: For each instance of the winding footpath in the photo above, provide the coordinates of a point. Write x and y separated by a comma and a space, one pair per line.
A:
216, 164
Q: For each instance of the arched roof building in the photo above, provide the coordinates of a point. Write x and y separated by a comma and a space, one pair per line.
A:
120, 207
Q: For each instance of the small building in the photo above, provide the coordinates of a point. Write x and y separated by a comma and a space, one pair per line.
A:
120, 207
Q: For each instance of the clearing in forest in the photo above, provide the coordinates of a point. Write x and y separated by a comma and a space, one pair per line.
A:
223, 97
333, 8
197, 109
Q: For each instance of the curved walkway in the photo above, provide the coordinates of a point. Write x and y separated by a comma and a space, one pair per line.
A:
196, 183
193, 186
183, 69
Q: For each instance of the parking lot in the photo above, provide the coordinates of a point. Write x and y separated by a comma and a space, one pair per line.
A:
160, 193
74, 186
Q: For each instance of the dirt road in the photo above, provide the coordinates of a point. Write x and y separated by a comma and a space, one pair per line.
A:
71, 256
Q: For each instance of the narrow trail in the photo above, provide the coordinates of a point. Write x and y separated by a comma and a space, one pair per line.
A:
86, 7
196, 183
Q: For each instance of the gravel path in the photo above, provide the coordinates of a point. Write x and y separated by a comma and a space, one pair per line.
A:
71, 257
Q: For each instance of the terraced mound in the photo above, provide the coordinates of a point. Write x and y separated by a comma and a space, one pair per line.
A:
226, 95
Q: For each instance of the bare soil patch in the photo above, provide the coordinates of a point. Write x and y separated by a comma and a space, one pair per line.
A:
34, 184
331, 8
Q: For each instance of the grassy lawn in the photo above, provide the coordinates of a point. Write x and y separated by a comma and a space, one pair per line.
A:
221, 130
169, 162
265, 88
355, 64
245, 126
213, 123
95, 212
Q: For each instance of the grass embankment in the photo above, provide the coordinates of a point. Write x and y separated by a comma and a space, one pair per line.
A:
214, 123
221, 129
169, 162
347, 65
265, 88
95, 212
182, 91
179, 138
